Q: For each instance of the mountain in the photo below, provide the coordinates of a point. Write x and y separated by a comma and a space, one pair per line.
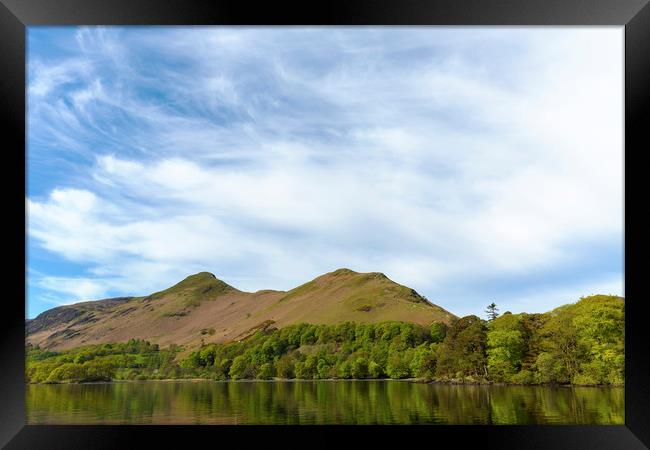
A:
202, 308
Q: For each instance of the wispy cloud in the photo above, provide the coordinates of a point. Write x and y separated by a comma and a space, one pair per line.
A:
450, 159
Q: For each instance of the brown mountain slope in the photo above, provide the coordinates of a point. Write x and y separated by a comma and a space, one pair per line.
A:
204, 308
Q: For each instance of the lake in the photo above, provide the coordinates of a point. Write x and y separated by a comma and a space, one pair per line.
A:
319, 402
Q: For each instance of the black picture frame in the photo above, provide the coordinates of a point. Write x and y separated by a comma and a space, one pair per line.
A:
16, 15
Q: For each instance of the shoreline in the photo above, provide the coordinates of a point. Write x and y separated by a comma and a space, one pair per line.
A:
302, 380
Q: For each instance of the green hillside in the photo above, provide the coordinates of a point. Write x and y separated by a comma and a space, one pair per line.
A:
202, 309
580, 343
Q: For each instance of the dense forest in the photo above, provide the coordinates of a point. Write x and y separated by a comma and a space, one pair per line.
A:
580, 343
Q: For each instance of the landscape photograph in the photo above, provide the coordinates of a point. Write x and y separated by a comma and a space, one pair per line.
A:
324, 225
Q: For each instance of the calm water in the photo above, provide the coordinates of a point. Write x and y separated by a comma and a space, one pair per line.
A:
320, 402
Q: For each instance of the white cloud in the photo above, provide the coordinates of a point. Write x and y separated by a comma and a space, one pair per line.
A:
435, 173
45, 78
77, 289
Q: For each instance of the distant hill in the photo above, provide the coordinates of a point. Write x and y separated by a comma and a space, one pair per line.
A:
202, 308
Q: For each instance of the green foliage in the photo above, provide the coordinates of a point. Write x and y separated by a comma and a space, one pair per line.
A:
324, 369
581, 343
438, 332
506, 347
523, 377
398, 366
375, 370
587, 339
67, 372
360, 368
306, 351
549, 369
463, 352
307, 369
423, 364
285, 367
102, 362
343, 370
239, 368
265, 372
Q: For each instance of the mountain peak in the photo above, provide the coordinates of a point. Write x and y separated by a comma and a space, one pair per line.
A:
368, 275
197, 279
201, 276
200, 283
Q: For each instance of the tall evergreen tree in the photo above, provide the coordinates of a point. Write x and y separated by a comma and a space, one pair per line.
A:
492, 311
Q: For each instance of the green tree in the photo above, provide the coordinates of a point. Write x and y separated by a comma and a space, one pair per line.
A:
505, 347
548, 369
238, 368
360, 368
463, 352
192, 361
323, 369
375, 370
307, 369
265, 371
285, 367
423, 364
308, 336
492, 311
344, 370
99, 369
438, 331
67, 372
397, 367
560, 342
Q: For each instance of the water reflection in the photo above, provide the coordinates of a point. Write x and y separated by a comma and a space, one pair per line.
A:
320, 402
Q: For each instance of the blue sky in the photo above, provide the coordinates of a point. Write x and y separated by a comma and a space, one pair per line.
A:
471, 164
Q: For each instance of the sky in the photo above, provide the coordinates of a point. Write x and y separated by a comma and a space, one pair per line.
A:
472, 164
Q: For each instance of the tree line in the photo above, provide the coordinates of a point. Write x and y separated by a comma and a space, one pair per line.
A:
580, 343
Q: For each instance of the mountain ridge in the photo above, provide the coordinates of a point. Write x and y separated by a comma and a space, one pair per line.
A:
202, 308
